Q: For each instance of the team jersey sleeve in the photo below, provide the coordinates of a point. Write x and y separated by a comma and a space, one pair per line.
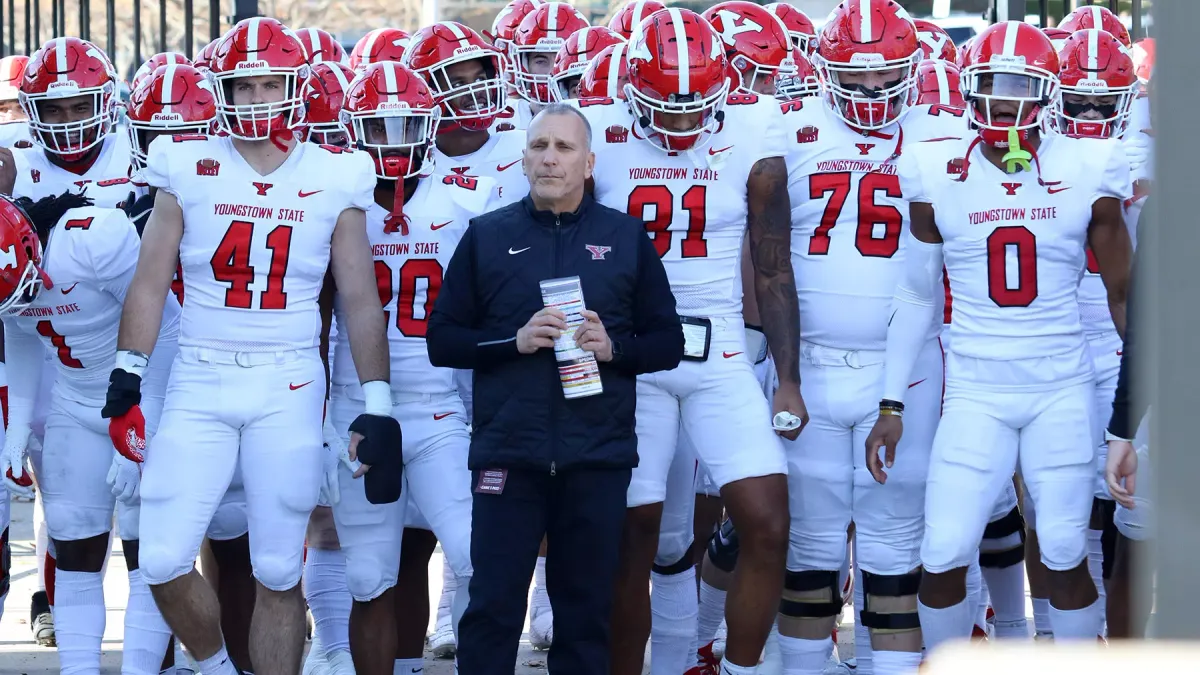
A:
157, 172
912, 185
768, 132
113, 249
1115, 181
23, 355
360, 174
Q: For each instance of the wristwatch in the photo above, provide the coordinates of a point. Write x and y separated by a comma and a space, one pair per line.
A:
618, 352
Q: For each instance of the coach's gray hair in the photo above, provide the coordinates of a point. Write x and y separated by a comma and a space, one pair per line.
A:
561, 108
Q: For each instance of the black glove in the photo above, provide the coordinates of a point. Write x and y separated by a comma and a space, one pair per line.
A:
382, 449
124, 392
139, 210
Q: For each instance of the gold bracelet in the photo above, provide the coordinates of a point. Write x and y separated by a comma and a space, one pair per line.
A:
891, 411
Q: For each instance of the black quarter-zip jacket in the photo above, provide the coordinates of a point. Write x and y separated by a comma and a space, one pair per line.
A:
491, 289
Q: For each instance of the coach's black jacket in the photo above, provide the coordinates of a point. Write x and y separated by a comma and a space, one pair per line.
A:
491, 289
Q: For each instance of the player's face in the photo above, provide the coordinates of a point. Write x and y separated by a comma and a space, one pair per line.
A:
337, 139
66, 110
11, 111
1004, 111
557, 157
571, 84
539, 63
762, 84
680, 122
1084, 107
259, 89
870, 80
465, 73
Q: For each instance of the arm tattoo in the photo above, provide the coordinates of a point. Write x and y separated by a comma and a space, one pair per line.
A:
770, 222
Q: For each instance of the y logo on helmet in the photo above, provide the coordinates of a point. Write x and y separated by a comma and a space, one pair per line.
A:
1011, 188
732, 25
262, 188
8, 257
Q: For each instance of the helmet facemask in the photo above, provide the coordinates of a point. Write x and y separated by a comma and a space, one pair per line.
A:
70, 140
532, 66
868, 107
399, 141
652, 114
470, 102
1005, 97
260, 121
1090, 108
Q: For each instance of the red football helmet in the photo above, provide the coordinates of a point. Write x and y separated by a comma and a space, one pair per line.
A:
391, 114
963, 50
203, 58
606, 74
176, 98
1058, 37
535, 43
756, 43
1143, 59
12, 71
678, 77
21, 275
259, 47
68, 68
864, 40
152, 64
938, 83
1095, 16
1097, 85
323, 93
575, 55
935, 42
504, 26
1010, 63
801, 82
320, 47
631, 15
798, 25
381, 44
463, 71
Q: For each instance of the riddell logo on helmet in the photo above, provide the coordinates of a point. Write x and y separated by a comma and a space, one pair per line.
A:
392, 105
252, 65
1097, 86
1005, 58
549, 42
68, 84
467, 50
166, 117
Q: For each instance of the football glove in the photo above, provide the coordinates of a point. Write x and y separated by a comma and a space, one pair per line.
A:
126, 424
382, 449
12, 462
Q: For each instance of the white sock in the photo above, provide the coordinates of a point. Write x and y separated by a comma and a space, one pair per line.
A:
328, 597
974, 589
804, 657
1041, 616
1006, 586
1096, 568
219, 663
79, 620
408, 666
772, 661
673, 611
446, 601
864, 653
541, 600
146, 633
896, 663
710, 616
339, 661
728, 668
459, 602
944, 625
1076, 624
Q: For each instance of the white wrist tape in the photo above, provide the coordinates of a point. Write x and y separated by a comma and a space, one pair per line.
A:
378, 397
132, 362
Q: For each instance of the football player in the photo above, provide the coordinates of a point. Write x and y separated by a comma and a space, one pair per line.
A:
321, 47
535, 42
662, 152
241, 394
1098, 17
756, 43
413, 226
574, 56
13, 123
606, 74
1019, 378
381, 44
151, 64
935, 42
324, 92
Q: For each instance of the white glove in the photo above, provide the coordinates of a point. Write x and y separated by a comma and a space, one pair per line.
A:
335, 455
1139, 148
16, 441
125, 479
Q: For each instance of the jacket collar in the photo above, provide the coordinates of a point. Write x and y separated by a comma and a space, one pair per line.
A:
549, 218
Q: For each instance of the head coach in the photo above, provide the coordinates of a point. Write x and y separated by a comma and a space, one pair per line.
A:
543, 464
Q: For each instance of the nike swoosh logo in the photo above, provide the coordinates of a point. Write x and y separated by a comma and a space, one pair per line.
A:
294, 387
916, 383
70, 288
441, 416
440, 225
729, 355
304, 194
717, 152
1055, 191
520, 250
502, 167
1119, 352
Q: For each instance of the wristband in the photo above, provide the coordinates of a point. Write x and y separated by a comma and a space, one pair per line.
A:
890, 412
378, 397
1109, 436
132, 362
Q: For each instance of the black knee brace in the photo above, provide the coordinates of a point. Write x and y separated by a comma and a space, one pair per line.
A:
5, 560
723, 547
891, 586
807, 581
680, 566
1007, 526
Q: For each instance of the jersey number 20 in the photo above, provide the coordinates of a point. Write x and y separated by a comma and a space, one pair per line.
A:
406, 312
231, 265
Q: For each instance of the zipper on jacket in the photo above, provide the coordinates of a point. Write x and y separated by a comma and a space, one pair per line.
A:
554, 418
551, 468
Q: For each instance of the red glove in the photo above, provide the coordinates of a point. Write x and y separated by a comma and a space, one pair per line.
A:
25, 480
128, 434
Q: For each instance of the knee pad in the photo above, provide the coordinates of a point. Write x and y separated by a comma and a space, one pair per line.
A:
901, 589
1062, 547
367, 579
680, 566
812, 594
162, 563
277, 573
723, 547
1003, 542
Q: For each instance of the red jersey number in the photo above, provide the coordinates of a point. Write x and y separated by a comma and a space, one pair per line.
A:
60, 343
1023, 244
870, 213
660, 198
412, 273
231, 265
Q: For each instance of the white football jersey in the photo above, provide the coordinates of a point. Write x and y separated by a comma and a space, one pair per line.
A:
850, 219
498, 160
107, 181
90, 259
15, 134
255, 248
694, 202
409, 269
516, 116
1014, 248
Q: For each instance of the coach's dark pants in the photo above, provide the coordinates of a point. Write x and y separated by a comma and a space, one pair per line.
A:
581, 513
